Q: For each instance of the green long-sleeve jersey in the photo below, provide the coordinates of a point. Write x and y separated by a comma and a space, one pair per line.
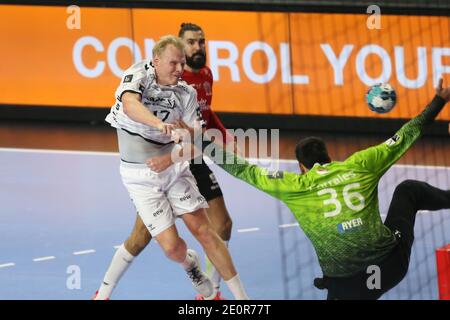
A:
336, 204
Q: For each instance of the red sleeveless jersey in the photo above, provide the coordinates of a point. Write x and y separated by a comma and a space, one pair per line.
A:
202, 82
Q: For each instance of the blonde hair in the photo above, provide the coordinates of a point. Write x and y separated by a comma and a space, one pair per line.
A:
161, 45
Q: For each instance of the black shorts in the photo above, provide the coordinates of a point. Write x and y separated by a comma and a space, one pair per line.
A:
206, 181
392, 270
409, 197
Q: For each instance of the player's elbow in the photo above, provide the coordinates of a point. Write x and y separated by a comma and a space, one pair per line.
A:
128, 102
126, 107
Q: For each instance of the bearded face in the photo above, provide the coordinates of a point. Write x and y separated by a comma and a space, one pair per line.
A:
195, 48
196, 60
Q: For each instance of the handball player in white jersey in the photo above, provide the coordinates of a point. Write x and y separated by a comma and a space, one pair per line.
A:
149, 101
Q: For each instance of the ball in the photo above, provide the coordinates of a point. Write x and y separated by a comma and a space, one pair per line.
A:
381, 98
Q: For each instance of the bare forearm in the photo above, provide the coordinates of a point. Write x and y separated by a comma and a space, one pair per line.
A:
137, 112
179, 154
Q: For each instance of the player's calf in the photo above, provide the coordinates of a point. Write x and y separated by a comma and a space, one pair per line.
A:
139, 238
135, 245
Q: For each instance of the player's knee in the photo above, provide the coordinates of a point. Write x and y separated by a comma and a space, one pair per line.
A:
228, 225
173, 250
408, 186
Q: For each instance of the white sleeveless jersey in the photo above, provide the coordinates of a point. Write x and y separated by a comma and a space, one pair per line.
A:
168, 103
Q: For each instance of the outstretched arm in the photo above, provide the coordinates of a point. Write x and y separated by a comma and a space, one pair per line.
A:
278, 184
136, 111
181, 152
379, 158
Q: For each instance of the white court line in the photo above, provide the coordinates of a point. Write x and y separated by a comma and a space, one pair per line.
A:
116, 154
77, 253
269, 160
419, 166
93, 153
5, 265
288, 225
44, 258
248, 230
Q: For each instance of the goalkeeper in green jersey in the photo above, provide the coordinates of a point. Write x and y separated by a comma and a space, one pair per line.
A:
336, 205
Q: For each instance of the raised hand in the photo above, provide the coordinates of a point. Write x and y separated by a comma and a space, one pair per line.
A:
443, 92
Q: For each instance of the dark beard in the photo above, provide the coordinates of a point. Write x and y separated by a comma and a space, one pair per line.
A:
196, 61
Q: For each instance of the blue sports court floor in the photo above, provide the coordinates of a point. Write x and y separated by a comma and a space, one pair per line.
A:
62, 213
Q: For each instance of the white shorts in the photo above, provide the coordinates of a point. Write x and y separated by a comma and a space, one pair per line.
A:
160, 198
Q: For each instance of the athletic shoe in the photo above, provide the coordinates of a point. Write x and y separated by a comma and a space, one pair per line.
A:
202, 284
95, 296
217, 297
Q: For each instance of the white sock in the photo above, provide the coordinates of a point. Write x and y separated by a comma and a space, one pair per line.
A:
212, 272
236, 288
119, 265
188, 262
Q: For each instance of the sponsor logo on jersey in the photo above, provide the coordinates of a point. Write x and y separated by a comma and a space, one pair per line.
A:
392, 141
128, 78
203, 104
184, 86
167, 103
207, 88
201, 199
186, 197
276, 175
350, 225
158, 212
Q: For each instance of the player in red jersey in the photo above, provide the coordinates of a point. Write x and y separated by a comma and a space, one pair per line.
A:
198, 75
